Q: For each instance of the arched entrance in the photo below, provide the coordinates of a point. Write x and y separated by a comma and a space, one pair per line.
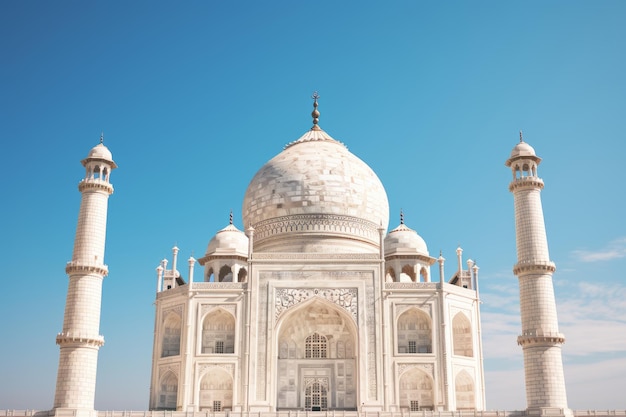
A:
316, 366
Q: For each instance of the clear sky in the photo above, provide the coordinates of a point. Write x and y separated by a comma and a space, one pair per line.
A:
194, 97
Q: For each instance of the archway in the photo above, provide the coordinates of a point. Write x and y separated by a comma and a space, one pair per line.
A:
216, 390
316, 366
416, 390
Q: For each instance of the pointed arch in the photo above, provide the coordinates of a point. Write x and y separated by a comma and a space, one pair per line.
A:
414, 332
226, 274
218, 332
168, 392
170, 342
316, 340
216, 390
408, 274
242, 276
210, 276
424, 274
462, 336
416, 390
464, 391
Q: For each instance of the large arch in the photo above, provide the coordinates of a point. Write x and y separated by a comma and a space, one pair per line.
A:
464, 391
414, 331
416, 390
170, 342
216, 390
218, 332
462, 335
316, 344
168, 392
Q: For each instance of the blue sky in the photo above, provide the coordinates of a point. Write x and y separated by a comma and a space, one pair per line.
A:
194, 98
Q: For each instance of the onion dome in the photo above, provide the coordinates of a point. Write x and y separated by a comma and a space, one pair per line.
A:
404, 241
315, 196
100, 153
522, 150
229, 241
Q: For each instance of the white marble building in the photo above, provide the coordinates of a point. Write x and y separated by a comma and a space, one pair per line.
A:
313, 306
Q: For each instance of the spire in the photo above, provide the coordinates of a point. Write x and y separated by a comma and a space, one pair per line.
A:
231, 217
315, 113
521, 137
102, 138
401, 216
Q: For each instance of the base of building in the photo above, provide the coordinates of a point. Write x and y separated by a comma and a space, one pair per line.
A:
72, 412
549, 411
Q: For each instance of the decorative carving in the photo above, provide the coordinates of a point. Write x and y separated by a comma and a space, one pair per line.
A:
315, 223
228, 367
231, 308
345, 298
335, 256
176, 309
312, 380
219, 286
410, 285
426, 367
163, 369
370, 321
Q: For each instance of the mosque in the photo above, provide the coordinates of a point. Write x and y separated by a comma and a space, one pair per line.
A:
313, 306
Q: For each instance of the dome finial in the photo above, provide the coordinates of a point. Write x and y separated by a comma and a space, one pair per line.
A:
315, 113
401, 216
231, 217
102, 138
521, 137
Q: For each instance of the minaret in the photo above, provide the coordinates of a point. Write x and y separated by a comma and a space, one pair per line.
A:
80, 339
540, 339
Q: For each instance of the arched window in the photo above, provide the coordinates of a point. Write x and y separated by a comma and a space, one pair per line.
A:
424, 274
316, 397
414, 332
218, 333
416, 391
315, 346
242, 276
171, 336
462, 336
464, 390
209, 276
216, 391
168, 390
226, 274
390, 276
408, 274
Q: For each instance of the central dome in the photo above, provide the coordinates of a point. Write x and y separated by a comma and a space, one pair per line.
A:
316, 196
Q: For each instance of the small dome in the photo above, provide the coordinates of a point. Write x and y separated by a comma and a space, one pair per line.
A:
522, 149
100, 152
403, 240
228, 241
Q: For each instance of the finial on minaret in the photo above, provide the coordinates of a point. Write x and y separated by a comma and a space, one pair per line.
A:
401, 216
101, 137
231, 217
521, 137
315, 113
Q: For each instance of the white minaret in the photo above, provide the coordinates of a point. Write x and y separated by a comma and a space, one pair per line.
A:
540, 339
80, 339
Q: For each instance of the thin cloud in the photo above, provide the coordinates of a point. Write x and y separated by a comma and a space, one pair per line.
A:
614, 250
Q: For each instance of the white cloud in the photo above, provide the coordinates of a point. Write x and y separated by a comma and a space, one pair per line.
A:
614, 250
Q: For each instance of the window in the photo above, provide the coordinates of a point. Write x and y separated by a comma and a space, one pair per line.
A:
415, 405
412, 346
219, 346
217, 406
315, 346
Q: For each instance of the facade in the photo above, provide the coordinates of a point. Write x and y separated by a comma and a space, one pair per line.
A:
315, 307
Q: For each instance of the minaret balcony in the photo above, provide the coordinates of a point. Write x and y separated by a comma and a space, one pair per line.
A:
541, 338
66, 338
85, 268
525, 183
95, 185
533, 267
